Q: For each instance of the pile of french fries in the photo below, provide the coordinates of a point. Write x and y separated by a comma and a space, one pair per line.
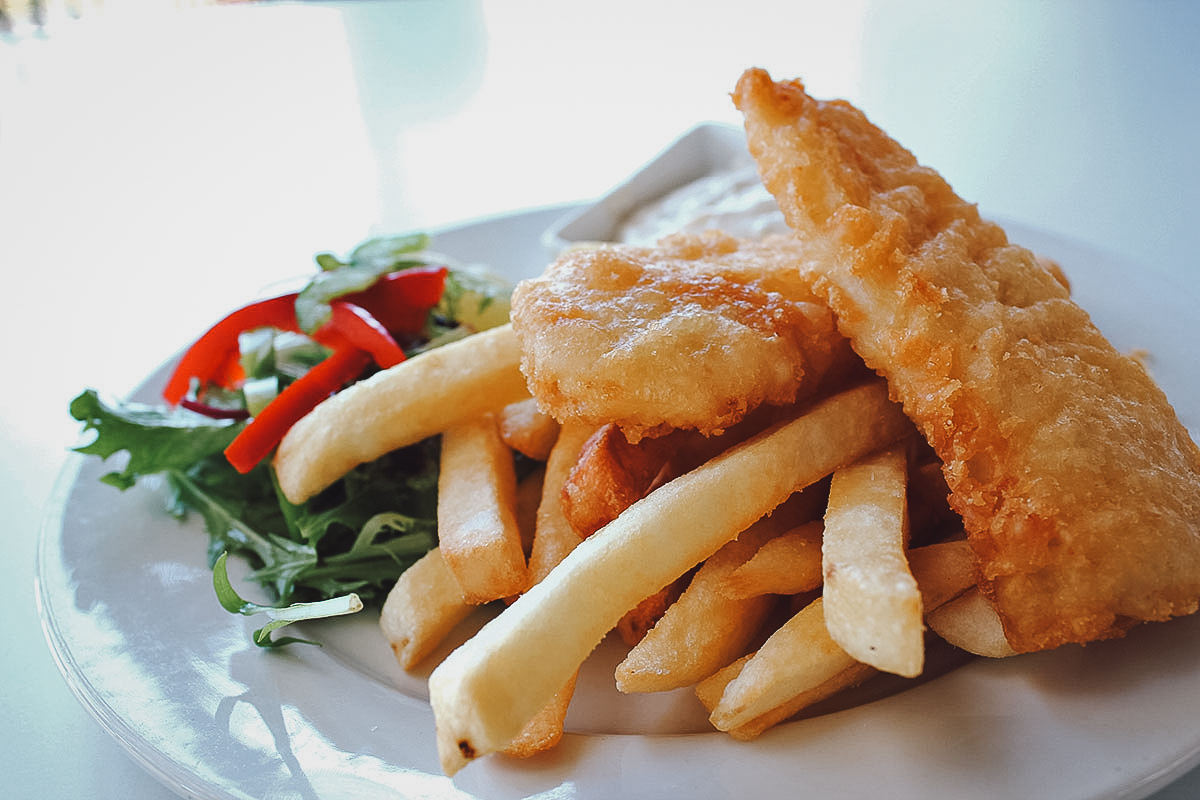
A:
689, 548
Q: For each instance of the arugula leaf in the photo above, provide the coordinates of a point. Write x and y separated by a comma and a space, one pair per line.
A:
232, 602
283, 560
373, 524
371, 565
156, 439
357, 536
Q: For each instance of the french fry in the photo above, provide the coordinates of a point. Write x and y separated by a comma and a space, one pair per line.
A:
545, 730
422, 609
969, 622
801, 664
553, 535
872, 606
529, 497
414, 400
709, 690
693, 449
486, 691
802, 505
786, 564
553, 538
705, 628
613, 472
527, 430
610, 475
478, 532
798, 657
709, 693
638, 621
944, 570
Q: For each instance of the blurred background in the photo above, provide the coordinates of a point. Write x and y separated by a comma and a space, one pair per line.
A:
161, 162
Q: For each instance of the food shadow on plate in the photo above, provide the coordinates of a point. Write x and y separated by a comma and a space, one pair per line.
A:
1150, 654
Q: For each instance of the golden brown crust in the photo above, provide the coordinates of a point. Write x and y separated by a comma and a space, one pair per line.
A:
693, 334
1079, 488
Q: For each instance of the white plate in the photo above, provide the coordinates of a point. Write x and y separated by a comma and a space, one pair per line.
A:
129, 612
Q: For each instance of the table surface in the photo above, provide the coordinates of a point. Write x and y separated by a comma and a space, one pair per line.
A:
159, 164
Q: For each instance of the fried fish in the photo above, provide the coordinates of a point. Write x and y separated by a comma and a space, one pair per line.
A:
692, 334
1078, 485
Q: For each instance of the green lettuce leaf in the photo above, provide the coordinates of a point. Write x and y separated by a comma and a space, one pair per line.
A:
156, 439
359, 535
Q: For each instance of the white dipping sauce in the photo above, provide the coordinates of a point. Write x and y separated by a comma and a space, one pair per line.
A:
733, 201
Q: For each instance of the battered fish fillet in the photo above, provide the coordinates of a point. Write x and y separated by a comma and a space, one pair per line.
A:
1078, 485
691, 334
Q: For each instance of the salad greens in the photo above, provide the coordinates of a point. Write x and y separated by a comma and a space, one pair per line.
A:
232, 602
367, 263
344, 547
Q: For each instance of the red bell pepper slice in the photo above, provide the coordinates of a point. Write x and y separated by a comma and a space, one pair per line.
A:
401, 300
354, 333
264, 432
359, 329
214, 357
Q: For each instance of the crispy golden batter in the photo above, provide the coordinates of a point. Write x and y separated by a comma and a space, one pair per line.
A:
692, 334
1079, 488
